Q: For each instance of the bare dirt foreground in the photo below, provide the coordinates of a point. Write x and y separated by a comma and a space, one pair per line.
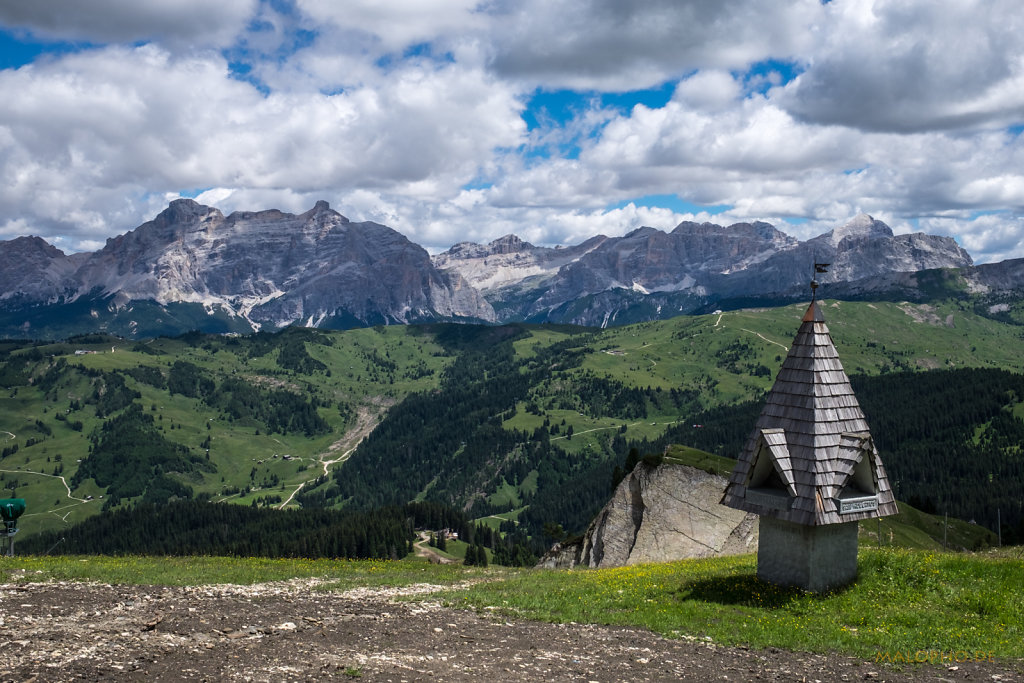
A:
289, 631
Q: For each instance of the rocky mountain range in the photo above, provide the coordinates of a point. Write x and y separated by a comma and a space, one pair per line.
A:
246, 271
650, 274
191, 267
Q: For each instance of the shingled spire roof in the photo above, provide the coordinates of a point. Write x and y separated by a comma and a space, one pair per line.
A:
810, 458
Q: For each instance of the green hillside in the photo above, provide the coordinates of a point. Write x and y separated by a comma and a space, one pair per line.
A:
232, 403
520, 422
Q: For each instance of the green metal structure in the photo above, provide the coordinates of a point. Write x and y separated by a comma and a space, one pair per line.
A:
10, 510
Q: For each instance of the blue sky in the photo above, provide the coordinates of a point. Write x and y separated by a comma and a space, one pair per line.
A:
453, 120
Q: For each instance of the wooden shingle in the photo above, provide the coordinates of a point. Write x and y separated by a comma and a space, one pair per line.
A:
815, 432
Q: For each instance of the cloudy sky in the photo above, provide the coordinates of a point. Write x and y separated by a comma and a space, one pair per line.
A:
454, 120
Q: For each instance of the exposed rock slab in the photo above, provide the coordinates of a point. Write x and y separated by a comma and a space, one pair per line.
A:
659, 514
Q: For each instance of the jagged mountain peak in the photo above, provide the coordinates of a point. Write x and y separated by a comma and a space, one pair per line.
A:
31, 266
642, 231
31, 244
323, 209
508, 244
755, 229
168, 225
184, 210
861, 226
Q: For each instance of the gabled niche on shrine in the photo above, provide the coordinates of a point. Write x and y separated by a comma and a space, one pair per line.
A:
858, 486
770, 479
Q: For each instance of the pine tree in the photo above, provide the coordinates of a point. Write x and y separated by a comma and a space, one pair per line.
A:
481, 556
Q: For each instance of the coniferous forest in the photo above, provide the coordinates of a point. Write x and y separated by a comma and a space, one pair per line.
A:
199, 528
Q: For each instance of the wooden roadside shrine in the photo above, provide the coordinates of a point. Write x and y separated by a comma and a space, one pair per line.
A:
810, 469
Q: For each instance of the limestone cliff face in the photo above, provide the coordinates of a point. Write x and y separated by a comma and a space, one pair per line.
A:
659, 514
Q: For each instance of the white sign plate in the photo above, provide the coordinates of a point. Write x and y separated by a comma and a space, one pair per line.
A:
858, 505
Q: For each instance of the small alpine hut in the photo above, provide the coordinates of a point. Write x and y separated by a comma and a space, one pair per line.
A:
810, 469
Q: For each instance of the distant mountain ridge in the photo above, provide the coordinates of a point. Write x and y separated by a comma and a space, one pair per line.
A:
191, 267
650, 274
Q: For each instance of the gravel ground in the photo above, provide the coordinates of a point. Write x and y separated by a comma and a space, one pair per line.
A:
287, 631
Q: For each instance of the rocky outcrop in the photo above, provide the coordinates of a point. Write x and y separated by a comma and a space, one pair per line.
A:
30, 268
509, 263
658, 514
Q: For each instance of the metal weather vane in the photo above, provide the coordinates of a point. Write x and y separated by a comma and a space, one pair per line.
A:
818, 268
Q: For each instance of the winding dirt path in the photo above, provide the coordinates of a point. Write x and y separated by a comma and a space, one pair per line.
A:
423, 549
367, 419
758, 334
55, 511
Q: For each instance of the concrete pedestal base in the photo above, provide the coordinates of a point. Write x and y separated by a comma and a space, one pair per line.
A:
815, 558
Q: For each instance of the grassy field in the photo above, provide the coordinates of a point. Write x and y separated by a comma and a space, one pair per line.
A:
197, 571
903, 601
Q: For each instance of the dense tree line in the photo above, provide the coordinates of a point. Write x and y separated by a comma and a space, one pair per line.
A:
451, 437
514, 548
53, 374
14, 371
147, 374
280, 410
199, 528
130, 457
950, 441
430, 515
110, 394
189, 380
570, 499
292, 355
290, 345
592, 395
598, 396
